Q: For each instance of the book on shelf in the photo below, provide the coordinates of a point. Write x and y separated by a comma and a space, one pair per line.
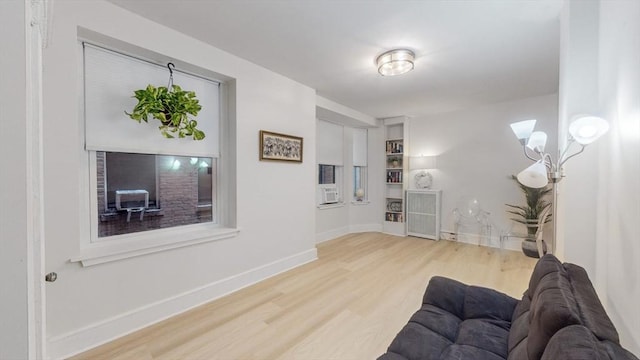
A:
394, 177
394, 147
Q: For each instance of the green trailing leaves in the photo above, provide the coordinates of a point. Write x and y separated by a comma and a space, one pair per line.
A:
172, 108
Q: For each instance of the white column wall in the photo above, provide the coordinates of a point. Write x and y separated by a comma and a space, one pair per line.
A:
600, 73
14, 179
355, 217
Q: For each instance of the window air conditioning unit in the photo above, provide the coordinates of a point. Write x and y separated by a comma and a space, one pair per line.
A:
329, 195
132, 199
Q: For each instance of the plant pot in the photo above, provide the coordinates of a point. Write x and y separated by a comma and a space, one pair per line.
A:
530, 248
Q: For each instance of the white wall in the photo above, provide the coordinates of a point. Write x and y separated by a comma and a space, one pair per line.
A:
333, 222
600, 72
476, 154
274, 200
14, 179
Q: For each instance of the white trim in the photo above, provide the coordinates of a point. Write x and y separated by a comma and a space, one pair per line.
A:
332, 234
94, 250
130, 245
77, 341
35, 32
365, 228
346, 230
331, 206
360, 203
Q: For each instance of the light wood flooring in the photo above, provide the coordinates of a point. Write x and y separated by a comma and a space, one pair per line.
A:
347, 305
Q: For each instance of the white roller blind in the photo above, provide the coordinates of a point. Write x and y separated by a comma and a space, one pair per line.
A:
359, 147
110, 80
330, 143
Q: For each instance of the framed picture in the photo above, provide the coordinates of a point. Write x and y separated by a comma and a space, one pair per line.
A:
280, 147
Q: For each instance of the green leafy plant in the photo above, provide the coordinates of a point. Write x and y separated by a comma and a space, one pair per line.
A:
536, 203
171, 107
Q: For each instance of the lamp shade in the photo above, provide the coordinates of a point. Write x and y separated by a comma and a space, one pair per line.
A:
537, 141
588, 129
422, 162
523, 129
535, 176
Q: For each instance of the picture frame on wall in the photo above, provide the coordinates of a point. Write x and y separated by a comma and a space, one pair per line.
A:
280, 147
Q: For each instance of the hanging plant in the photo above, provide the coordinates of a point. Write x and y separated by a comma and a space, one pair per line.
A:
172, 106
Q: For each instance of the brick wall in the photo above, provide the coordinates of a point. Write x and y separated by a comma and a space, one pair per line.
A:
177, 199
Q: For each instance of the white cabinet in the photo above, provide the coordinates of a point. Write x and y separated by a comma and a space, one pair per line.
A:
423, 213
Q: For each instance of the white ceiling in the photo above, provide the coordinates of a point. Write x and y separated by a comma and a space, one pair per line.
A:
469, 52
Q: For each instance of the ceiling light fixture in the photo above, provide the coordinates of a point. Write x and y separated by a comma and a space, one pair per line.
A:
395, 62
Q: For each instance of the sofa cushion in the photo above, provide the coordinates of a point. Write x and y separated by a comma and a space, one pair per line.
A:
592, 313
517, 343
553, 307
577, 342
456, 321
416, 341
447, 294
486, 335
483, 303
457, 352
437, 320
546, 265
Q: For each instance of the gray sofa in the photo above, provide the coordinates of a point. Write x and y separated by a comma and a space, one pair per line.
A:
559, 317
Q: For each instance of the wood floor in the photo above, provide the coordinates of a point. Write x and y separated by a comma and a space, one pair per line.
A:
347, 305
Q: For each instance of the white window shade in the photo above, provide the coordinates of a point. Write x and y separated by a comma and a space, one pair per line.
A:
330, 143
359, 147
110, 81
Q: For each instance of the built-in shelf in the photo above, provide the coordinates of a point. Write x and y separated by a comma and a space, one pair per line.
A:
394, 159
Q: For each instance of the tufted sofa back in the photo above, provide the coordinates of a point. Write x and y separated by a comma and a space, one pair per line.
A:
561, 317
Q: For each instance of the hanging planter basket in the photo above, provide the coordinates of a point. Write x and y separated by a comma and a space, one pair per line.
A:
172, 106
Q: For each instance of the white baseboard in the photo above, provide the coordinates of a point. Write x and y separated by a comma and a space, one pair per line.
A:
365, 228
77, 341
331, 234
346, 230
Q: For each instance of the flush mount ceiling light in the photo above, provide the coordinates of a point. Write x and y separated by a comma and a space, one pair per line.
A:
395, 62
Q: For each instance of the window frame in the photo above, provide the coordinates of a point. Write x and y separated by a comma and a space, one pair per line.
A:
363, 182
337, 185
94, 250
321, 172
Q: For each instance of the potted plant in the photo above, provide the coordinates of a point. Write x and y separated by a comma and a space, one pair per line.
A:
529, 215
172, 107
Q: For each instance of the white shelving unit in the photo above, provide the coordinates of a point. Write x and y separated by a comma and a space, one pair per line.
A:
395, 170
423, 213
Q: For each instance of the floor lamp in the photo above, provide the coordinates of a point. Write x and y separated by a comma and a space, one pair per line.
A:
582, 131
